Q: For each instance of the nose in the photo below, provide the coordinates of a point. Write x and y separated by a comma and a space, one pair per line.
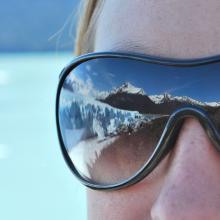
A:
191, 188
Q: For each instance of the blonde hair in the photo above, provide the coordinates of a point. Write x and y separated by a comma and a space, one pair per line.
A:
85, 36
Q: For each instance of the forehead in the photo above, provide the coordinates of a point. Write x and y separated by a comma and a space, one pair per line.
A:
167, 28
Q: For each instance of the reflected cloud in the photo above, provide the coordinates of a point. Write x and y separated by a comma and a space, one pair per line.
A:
94, 74
84, 88
186, 85
88, 67
110, 77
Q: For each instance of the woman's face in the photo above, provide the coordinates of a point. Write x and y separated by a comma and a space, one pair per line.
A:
186, 183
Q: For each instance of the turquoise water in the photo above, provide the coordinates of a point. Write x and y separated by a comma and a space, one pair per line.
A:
35, 182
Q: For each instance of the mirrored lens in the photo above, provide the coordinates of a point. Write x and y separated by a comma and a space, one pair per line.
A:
107, 130
113, 111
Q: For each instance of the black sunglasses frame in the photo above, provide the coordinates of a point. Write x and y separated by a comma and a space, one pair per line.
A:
172, 126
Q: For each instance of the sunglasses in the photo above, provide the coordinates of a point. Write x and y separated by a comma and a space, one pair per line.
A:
118, 115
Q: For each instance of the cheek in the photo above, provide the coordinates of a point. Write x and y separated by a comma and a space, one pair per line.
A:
134, 202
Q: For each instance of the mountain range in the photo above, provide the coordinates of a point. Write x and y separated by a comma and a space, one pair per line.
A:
128, 97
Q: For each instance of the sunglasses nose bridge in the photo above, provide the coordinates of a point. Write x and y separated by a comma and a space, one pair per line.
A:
177, 118
172, 129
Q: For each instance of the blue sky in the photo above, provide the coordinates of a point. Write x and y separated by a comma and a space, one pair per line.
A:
28, 25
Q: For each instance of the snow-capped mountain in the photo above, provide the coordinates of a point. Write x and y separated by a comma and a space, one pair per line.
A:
158, 99
212, 104
86, 88
128, 88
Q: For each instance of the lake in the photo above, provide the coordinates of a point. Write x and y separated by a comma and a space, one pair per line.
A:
35, 182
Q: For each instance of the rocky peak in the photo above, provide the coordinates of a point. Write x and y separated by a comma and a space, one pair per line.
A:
129, 88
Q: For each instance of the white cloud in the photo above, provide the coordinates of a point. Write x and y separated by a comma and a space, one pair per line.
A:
4, 152
88, 67
94, 73
4, 79
184, 86
111, 75
86, 87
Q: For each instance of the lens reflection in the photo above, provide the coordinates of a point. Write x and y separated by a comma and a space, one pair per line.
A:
112, 112
107, 144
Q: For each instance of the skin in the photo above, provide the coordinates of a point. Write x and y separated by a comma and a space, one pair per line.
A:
185, 185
